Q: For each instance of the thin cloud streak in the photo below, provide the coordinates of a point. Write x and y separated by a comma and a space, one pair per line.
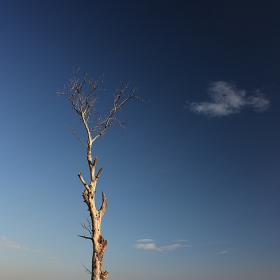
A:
144, 240
182, 240
146, 246
227, 100
223, 252
172, 247
153, 247
9, 245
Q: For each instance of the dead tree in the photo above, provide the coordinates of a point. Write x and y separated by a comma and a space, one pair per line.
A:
83, 99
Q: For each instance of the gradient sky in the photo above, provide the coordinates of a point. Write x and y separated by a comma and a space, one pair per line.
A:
192, 182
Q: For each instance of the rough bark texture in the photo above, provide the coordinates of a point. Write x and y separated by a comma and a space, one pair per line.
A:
99, 244
83, 102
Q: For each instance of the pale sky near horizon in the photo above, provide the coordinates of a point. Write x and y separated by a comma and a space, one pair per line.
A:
193, 181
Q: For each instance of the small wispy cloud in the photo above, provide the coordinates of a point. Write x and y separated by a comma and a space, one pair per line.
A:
182, 240
146, 246
226, 99
223, 252
143, 244
145, 240
4, 243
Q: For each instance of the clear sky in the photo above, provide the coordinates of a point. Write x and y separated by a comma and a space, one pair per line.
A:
192, 182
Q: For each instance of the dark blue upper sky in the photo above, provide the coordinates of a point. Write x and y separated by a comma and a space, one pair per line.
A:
192, 183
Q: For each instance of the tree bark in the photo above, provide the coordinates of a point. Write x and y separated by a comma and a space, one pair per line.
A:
83, 103
99, 244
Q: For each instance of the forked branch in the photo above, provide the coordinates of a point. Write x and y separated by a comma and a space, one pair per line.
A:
83, 100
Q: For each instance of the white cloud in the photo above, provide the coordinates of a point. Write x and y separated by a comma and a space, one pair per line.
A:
144, 240
227, 100
152, 246
146, 246
223, 252
9, 245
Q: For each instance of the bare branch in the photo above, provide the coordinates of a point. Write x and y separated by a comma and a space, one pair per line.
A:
89, 223
83, 102
85, 237
99, 173
94, 162
103, 205
74, 132
82, 180
88, 228
111, 119
87, 270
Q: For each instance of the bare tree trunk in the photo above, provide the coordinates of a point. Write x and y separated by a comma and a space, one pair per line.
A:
83, 102
99, 244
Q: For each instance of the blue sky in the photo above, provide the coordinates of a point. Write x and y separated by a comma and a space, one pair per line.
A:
192, 183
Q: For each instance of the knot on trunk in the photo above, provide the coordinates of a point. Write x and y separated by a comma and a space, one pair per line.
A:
104, 275
101, 239
102, 246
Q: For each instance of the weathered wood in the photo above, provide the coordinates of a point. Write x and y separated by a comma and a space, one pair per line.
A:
83, 102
